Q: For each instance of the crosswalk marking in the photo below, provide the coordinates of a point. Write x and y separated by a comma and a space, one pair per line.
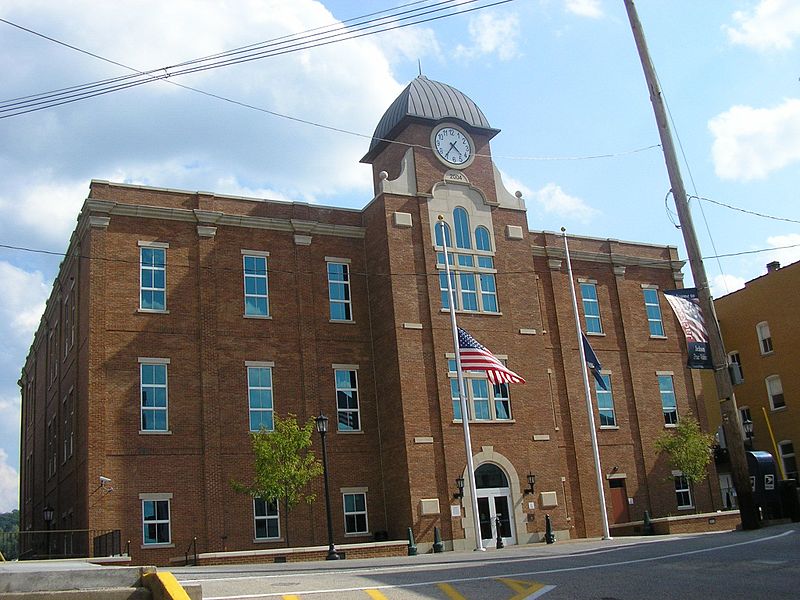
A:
450, 591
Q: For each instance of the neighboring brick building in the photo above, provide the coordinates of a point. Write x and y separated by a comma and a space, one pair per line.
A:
760, 327
181, 320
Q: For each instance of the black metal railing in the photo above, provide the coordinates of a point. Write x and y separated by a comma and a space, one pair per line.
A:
193, 548
60, 543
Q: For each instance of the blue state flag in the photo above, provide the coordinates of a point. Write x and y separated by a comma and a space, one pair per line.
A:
593, 362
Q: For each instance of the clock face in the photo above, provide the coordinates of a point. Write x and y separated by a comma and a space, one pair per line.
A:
452, 146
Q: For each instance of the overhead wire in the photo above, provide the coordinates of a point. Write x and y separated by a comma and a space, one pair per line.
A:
15, 107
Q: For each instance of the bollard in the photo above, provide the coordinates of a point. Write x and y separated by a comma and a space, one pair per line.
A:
500, 543
438, 546
647, 524
549, 536
412, 546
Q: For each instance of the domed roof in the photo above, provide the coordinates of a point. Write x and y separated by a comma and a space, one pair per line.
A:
430, 100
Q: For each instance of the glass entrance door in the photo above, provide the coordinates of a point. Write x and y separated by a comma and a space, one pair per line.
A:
494, 509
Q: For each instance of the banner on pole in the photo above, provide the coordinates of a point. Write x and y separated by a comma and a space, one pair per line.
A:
686, 306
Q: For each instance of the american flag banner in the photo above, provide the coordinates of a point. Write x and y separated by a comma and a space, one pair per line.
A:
685, 305
475, 357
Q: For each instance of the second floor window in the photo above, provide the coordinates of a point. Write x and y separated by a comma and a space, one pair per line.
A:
256, 296
653, 310
153, 278
154, 396
259, 396
775, 391
605, 402
349, 418
339, 291
591, 307
485, 401
764, 337
669, 404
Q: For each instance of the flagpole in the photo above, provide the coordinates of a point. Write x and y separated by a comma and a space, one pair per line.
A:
589, 407
462, 396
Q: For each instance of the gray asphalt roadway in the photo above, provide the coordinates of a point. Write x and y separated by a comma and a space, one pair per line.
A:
731, 566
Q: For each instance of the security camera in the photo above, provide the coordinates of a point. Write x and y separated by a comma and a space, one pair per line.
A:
104, 480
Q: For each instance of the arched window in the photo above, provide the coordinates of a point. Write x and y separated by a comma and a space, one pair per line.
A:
447, 235
490, 476
462, 228
764, 337
482, 240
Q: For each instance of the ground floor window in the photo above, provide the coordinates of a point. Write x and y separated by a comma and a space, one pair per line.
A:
355, 513
155, 522
267, 523
682, 492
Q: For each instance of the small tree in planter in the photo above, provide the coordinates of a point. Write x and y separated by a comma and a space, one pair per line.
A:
284, 465
689, 449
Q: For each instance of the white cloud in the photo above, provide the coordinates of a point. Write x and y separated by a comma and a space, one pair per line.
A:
725, 284
785, 255
555, 201
491, 34
772, 25
749, 143
22, 305
585, 8
9, 484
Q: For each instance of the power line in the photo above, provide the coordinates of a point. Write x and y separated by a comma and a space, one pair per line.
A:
271, 48
743, 210
164, 77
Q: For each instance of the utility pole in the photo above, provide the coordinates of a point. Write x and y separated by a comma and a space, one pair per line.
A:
727, 405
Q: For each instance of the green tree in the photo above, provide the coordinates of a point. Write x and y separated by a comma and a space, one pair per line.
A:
284, 465
9, 525
688, 448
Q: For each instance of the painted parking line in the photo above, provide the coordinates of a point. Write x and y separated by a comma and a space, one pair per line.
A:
525, 590
450, 591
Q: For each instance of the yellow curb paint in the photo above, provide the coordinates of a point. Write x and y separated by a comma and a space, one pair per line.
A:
450, 591
376, 595
164, 585
523, 588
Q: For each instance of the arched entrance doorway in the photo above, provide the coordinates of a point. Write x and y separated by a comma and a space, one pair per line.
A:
495, 509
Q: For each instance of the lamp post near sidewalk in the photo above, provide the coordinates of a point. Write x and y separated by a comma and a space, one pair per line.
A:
322, 427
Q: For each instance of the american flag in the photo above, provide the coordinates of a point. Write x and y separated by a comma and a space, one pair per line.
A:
475, 357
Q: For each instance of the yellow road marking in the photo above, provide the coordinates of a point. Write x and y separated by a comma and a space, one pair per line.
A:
291, 597
523, 588
376, 595
450, 591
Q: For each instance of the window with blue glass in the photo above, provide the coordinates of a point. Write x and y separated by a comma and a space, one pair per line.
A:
591, 307
259, 396
256, 288
267, 521
153, 278
605, 402
339, 291
473, 283
669, 404
653, 310
355, 513
153, 387
155, 522
349, 417
485, 401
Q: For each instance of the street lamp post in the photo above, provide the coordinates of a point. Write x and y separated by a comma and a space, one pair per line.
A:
322, 427
47, 514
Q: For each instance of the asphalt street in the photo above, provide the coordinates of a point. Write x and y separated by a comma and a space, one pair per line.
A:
733, 565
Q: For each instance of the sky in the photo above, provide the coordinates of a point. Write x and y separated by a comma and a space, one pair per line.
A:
561, 79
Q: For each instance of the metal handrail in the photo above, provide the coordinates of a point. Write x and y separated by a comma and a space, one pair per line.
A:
192, 545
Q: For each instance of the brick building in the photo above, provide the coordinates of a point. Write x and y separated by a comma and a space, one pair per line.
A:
181, 320
760, 327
